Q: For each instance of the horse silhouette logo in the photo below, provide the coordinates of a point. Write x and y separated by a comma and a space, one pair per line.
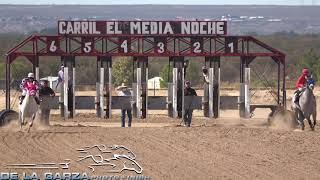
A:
113, 159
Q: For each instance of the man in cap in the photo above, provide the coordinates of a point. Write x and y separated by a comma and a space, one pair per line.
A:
45, 91
188, 110
29, 84
124, 91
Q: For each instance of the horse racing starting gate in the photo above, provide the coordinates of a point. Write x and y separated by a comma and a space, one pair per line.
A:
143, 39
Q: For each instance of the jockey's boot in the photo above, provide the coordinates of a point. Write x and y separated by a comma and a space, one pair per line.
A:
21, 99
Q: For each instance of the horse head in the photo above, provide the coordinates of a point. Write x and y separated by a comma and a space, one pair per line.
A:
311, 87
126, 164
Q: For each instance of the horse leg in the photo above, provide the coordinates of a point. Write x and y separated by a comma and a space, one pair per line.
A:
301, 119
314, 117
310, 123
31, 123
20, 119
32, 119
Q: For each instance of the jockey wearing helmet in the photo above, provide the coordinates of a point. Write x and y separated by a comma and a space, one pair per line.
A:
31, 85
305, 79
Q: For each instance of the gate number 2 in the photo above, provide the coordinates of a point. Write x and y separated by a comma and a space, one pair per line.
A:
196, 46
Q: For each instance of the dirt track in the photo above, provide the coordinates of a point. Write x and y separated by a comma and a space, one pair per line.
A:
223, 149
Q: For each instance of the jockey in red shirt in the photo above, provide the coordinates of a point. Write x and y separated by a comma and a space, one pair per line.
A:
304, 79
31, 85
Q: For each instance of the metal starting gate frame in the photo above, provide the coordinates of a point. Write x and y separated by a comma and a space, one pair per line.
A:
174, 45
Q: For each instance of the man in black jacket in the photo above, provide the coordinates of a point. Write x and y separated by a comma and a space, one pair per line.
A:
44, 93
188, 110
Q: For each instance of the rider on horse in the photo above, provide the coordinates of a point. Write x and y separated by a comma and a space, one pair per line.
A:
304, 79
31, 85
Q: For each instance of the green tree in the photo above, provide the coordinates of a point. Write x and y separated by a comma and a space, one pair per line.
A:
164, 75
2, 69
122, 71
311, 60
193, 73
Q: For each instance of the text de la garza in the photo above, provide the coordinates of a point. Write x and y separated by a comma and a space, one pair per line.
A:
46, 176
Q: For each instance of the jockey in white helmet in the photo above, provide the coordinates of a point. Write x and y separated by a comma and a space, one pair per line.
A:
31, 85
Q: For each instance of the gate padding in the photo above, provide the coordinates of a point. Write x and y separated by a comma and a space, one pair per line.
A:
154, 102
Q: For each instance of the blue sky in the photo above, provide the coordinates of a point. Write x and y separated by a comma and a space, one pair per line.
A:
214, 2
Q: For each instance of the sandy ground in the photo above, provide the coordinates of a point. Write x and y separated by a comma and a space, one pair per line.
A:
225, 148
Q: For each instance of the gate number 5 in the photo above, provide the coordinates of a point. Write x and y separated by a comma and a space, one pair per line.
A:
87, 47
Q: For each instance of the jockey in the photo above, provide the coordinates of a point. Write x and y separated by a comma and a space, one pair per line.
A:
31, 85
304, 79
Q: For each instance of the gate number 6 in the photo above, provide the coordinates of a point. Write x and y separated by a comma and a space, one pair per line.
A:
53, 47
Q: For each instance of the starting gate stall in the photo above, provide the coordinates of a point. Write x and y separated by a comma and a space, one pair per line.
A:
104, 86
143, 39
176, 87
140, 89
211, 98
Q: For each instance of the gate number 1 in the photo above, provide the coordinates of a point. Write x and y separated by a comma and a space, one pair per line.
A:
230, 45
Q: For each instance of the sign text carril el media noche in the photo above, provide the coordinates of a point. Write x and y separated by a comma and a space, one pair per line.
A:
142, 27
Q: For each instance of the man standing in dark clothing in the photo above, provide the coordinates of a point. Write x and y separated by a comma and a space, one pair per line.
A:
188, 110
124, 91
45, 92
